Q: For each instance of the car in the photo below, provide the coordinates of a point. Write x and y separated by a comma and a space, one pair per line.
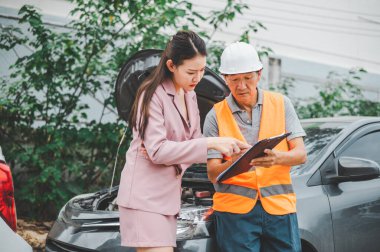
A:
10, 241
338, 189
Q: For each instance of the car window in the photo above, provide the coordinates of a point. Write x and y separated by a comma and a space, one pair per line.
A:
317, 138
367, 146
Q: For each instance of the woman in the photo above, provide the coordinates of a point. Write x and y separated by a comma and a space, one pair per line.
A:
166, 140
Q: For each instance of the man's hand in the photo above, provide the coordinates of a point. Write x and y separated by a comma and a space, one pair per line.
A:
216, 165
271, 158
295, 156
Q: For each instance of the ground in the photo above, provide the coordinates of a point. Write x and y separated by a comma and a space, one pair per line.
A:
34, 232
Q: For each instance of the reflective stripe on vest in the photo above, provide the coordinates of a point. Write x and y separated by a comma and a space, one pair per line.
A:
235, 189
276, 190
273, 184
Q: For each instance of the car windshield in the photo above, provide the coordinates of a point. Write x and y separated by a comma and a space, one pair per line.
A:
318, 135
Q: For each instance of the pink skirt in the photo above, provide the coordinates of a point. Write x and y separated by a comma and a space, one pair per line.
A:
146, 229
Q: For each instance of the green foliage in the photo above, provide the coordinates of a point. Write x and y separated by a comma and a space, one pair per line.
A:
253, 26
228, 14
213, 57
284, 87
339, 96
56, 151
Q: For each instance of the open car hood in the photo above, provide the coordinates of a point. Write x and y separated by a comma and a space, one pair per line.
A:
211, 88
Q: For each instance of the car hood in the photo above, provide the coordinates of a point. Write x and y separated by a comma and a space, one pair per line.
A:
211, 88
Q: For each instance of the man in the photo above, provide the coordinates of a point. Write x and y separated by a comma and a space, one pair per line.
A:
254, 211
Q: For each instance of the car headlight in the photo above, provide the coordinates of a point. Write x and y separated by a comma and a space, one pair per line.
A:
76, 202
193, 223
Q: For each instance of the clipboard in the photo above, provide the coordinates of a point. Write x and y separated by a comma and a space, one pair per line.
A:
242, 165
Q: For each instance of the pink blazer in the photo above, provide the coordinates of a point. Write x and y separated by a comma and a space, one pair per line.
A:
150, 184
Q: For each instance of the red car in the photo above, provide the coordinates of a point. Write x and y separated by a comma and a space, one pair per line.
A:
9, 239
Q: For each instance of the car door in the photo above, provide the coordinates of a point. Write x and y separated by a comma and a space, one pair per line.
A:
355, 205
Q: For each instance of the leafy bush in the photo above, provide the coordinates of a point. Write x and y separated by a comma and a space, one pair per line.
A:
340, 96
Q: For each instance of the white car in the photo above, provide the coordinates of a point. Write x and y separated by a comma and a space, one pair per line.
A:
10, 241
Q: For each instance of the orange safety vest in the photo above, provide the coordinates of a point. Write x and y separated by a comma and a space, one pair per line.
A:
272, 185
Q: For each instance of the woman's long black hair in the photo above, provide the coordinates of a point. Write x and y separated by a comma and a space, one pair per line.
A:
182, 46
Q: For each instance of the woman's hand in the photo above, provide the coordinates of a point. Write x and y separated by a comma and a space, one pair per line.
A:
143, 151
226, 145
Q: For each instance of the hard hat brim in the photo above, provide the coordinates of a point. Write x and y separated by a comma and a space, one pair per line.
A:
254, 68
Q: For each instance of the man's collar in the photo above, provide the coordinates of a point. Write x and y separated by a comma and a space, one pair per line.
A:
260, 96
235, 107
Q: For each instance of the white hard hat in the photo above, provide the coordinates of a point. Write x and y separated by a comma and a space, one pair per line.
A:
239, 57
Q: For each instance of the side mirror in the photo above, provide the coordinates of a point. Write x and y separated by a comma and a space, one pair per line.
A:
354, 169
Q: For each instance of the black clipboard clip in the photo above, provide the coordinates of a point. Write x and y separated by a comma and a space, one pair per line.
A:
242, 165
